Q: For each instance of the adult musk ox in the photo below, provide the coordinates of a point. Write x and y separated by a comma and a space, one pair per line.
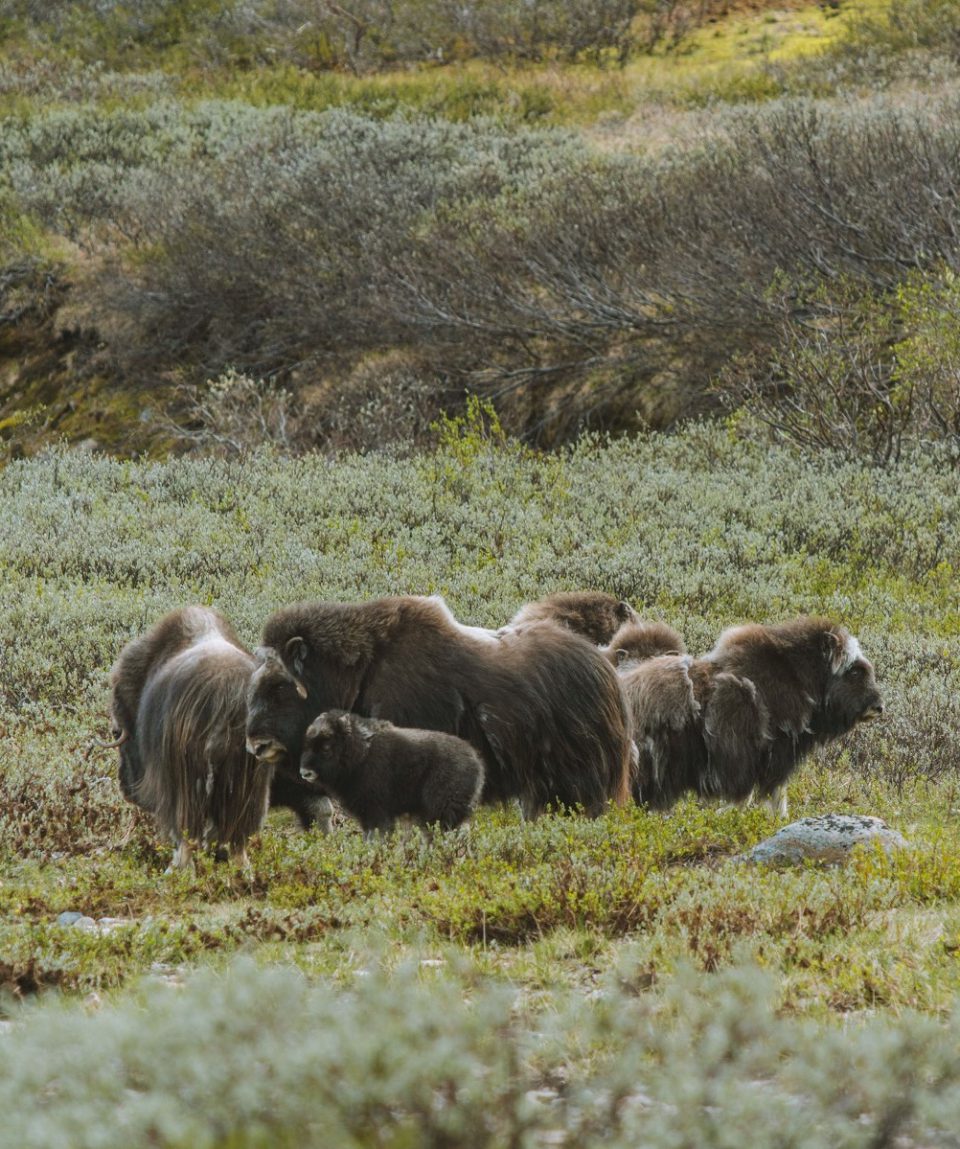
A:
637, 641
540, 704
179, 710
379, 772
594, 614
740, 720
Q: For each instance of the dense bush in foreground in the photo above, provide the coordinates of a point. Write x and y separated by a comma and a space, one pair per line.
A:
258, 1057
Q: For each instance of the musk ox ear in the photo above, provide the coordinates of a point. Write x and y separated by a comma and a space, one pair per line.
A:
295, 653
346, 724
835, 650
320, 727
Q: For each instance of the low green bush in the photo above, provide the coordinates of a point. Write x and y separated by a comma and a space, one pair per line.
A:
258, 1056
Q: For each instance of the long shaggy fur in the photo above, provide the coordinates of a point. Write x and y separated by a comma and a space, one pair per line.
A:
594, 614
637, 641
379, 772
740, 720
179, 698
540, 704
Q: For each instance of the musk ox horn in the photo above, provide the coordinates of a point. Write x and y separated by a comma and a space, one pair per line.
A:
99, 744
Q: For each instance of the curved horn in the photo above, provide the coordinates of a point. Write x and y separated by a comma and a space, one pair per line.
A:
96, 744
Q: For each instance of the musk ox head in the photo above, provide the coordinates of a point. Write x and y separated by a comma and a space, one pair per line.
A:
277, 709
852, 695
334, 740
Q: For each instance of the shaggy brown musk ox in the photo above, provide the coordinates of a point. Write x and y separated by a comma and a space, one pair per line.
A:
179, 709
379, 772
540, 704
739, 721
594, 614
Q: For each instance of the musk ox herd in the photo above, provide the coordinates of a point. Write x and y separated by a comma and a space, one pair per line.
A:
395, 708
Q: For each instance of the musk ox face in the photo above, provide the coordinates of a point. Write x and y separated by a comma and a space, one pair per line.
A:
277, 706
852, 695
326, 742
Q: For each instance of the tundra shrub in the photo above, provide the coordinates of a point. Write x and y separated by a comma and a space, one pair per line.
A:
579, 289
254, 1057
368, 34
862, 374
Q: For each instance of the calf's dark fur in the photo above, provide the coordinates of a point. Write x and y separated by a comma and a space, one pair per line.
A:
379, 772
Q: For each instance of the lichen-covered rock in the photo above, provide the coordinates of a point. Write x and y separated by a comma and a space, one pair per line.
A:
829, 838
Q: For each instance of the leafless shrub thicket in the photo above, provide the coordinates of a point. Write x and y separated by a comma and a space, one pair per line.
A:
643, 281
574, 289
362, 35
859, 373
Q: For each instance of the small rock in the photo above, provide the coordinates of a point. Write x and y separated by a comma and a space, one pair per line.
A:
69, 918
829, 838
108, 925
77, 921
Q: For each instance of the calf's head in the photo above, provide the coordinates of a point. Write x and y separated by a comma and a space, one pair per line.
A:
334, 740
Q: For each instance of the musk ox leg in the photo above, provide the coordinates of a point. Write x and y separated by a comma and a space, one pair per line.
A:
530, 808
310, 807
321, 811
182, 857
373, 833
776, 800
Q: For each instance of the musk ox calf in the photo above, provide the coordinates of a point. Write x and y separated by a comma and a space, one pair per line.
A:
379, 772
739, 721
541, 706
637, 641
179, 710
594, 614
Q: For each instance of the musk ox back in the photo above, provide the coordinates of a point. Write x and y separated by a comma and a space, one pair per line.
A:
379, 772
541, 705
593, 614
741, 719
179, 709
637, 641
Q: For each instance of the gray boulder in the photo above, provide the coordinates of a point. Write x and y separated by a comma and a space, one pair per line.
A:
829, 838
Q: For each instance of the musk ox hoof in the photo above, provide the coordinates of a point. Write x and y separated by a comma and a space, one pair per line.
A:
828, 839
